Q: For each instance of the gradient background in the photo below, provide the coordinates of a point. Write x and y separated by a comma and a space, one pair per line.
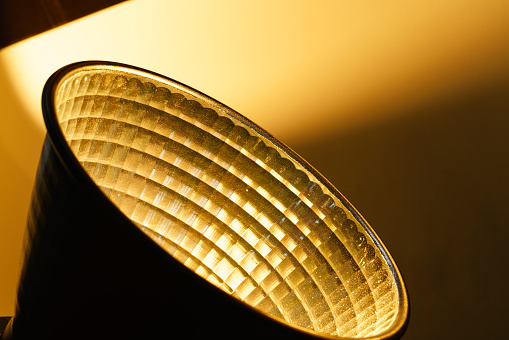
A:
403, 106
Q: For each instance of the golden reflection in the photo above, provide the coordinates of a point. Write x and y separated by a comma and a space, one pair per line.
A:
227, 202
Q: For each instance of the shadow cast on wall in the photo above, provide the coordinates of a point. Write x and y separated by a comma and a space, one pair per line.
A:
434, 184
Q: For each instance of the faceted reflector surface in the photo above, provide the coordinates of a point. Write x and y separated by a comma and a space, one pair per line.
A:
227, 201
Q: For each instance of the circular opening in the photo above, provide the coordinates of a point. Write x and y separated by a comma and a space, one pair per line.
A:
228, 201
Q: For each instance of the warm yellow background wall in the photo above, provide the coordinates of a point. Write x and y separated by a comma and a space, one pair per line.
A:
402, 105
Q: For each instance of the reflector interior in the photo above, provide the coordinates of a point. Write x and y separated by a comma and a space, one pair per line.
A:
228, 202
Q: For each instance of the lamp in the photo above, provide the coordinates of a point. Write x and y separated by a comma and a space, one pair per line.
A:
158, 210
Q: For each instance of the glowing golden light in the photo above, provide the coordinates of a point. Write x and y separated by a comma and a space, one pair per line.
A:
228, 202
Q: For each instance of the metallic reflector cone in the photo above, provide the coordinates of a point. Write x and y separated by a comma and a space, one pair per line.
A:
159, 212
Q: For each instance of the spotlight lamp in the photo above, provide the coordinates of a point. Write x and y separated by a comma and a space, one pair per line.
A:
160, 213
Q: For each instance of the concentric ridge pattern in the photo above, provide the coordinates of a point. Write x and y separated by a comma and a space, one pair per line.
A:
227, 202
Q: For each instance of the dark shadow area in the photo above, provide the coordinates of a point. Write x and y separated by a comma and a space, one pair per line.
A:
4, 320
434, 184
22, 19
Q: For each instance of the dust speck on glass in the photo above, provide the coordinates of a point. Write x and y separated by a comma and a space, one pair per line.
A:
227, 202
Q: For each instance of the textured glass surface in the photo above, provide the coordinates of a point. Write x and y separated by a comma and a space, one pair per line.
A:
226, 201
